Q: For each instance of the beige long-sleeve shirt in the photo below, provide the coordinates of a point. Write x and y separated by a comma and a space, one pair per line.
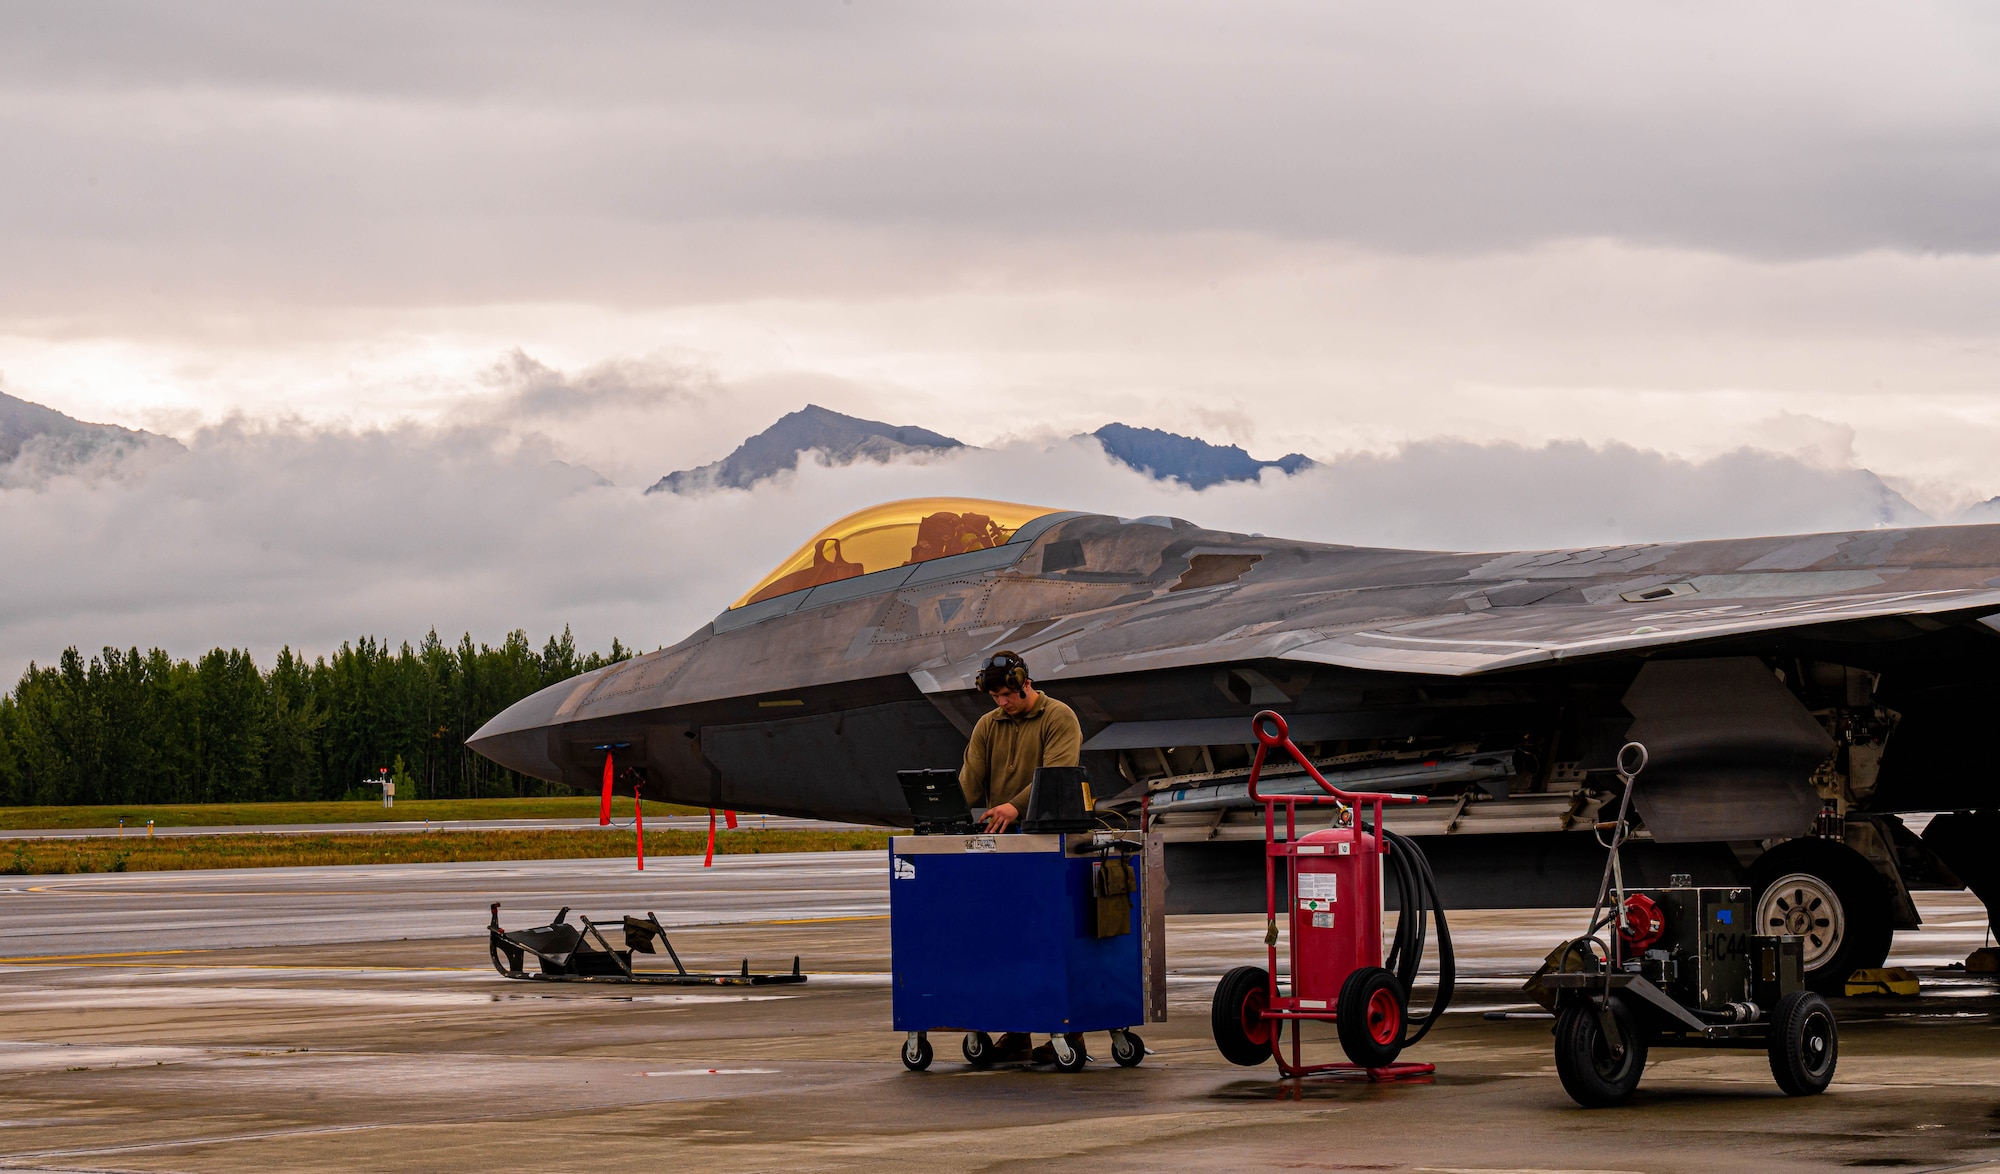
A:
1001, 759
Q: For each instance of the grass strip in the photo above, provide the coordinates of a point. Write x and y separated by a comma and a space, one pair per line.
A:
365, 811
45, 857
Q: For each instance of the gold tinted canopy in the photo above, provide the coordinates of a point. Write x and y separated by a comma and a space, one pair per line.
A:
895, 534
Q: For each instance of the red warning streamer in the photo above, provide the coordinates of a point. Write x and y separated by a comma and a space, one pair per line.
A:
604, 808
639, 826
710, 858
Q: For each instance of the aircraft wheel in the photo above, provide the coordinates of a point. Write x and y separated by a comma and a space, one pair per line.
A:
1804, 1044
978, 1049
917, 1052
1236, 1017
1369, 1017
1591, 1075
1127, 1048
1824, 892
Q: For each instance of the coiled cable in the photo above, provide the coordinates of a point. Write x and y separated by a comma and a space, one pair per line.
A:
1417, 902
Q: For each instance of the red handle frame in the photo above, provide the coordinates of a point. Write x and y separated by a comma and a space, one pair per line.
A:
1272, 733
1280, 735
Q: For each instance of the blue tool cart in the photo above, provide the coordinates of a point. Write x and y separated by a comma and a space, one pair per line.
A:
1021, 933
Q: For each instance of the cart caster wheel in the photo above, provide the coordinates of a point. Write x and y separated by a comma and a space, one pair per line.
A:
1804, 1044
1069, 1057
917, 1052
1369, 1017
978, 1049
1127, 1048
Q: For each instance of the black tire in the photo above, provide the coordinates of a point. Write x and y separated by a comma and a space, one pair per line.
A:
978, 1049
917, 1053
1590, 1074
1069, 1056
1804, 1044
1127, 1048
1825, 892
1235, 1018
1370, 1016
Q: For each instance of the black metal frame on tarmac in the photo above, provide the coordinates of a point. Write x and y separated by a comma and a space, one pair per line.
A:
1609, 1014
566, 954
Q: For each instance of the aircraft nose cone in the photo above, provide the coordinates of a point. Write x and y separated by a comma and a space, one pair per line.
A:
517, 738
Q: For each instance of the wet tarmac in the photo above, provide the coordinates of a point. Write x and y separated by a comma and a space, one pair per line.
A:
658, 822
346, 1018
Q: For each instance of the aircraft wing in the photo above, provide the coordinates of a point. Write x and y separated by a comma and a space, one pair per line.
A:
1504, 638
1451, 640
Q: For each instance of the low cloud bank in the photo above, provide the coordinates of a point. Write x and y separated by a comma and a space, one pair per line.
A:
263, 536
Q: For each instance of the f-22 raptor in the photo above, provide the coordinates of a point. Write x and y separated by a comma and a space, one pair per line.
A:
1798, 695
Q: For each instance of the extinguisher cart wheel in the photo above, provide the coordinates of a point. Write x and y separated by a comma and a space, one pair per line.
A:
1236, 1017
1370, 1017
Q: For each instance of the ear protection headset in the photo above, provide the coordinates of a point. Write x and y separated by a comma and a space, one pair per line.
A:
1002, 670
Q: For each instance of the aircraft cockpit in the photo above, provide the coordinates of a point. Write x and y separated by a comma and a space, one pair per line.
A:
895, 534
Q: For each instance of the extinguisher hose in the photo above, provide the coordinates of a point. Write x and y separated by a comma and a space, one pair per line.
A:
1417, 895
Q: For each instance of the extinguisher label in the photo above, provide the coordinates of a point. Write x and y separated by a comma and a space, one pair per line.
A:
1318, 885
1322, 921
1311, 903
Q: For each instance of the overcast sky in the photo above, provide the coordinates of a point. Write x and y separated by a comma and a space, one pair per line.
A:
1427, 239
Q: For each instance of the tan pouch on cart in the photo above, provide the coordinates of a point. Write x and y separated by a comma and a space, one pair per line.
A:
1114, 882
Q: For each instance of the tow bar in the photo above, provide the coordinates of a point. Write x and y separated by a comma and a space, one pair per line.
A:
567, 954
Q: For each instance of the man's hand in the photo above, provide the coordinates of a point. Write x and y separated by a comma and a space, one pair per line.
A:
997, 818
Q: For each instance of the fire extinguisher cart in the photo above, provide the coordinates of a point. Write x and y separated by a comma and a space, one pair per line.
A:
1002, 933
1326, 885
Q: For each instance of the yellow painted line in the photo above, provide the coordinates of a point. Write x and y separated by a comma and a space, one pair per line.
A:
800, 921
81, 957
81, 892
241, 966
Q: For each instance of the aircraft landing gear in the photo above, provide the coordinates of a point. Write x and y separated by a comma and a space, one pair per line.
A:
1825, 893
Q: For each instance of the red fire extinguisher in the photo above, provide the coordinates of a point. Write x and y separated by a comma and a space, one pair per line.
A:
1326, 886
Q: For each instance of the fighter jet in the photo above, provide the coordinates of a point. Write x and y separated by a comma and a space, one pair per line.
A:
1798, 695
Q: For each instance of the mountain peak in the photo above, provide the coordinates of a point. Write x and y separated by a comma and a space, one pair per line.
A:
844, 439
1981, 513
1169, 456
65, 439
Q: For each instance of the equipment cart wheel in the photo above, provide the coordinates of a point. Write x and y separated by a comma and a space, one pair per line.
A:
978, 1049
1804, 1044
1369, 1015
1591, 1074
1127, 1048
917, 1052
1236, 1017
1069, 1057
1828, 894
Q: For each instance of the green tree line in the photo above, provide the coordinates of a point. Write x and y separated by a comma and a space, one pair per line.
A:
127, 727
